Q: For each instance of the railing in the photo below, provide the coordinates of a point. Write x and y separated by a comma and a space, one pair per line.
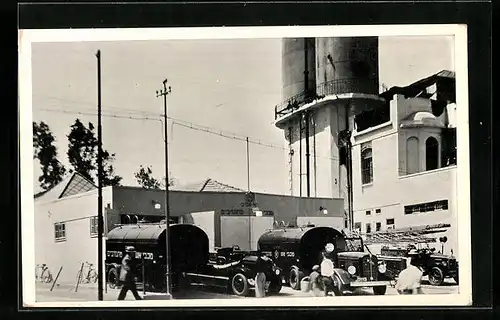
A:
332, 87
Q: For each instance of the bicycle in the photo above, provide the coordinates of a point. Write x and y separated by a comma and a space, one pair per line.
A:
91, 276
45, 275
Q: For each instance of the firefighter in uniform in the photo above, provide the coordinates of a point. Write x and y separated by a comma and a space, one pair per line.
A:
127, 276
327, 266
409, 280
260, 277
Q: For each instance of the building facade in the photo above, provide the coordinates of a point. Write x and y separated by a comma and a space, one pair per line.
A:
390, 155
404, 169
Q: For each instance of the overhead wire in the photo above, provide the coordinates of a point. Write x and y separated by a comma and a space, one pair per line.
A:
182, 123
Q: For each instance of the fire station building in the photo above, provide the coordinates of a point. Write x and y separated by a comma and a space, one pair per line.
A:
66, 216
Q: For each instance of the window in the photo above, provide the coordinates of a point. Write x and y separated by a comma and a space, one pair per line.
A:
412, 155
366, 165
368, 228
368, 212
94, 226
427, 207
357, 226
389, 222
60, 231
431, 153
378, 226
378, 210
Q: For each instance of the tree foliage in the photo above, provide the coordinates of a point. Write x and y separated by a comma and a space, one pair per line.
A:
82, 154
145, 179
46, 152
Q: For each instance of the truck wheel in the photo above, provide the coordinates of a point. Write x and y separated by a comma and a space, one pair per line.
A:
113, 278
275, 286
295, 277
436, 276
380, 290
239, 285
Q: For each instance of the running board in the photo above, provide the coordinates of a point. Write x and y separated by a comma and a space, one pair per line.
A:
370, 284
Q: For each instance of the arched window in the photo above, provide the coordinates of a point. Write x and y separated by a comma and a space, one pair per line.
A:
412, 155
431, 153
366, 166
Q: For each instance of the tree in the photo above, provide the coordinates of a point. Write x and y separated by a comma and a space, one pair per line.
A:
145, 179
46, 152
82, 154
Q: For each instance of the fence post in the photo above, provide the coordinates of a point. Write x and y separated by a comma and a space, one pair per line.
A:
55, 280
78, 278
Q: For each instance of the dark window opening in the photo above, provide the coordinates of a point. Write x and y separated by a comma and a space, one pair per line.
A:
372, 118
368, 228
357, 225
449, 141
389, 221
366, 166
378, 210
378, 226
368, 212
427, 207
431, 153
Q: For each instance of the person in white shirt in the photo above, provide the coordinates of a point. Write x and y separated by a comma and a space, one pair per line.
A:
409, 280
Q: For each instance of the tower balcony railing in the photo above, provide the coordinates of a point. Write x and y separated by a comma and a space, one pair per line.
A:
327, 88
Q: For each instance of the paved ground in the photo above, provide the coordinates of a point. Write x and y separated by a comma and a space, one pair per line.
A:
87, 292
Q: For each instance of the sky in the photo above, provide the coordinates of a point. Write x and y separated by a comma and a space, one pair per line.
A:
219, 86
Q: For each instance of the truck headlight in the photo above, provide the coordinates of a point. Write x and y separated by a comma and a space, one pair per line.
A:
382, 268
351, 270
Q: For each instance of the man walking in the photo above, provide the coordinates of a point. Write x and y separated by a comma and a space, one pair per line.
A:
127, 276
409, 280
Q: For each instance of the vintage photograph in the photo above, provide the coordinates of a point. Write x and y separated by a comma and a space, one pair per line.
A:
245, 166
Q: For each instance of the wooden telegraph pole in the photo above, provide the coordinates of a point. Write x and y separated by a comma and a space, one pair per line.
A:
163, 93
100, 219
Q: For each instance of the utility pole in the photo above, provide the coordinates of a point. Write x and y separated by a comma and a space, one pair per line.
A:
248, 165
100, 220
163, 93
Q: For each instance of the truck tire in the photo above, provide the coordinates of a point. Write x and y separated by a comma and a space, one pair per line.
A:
239, 285
295, 277
275, 285
436, 276
379, 290
113, 278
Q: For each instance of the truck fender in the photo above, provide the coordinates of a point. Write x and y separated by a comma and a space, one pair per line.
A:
342, 275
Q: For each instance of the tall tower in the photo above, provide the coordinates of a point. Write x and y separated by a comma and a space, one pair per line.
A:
326, 83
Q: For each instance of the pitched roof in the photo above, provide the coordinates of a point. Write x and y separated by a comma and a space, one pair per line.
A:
207, 185
71, 185
417, 86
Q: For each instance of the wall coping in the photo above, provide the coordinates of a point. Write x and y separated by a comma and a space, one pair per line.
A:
448, 168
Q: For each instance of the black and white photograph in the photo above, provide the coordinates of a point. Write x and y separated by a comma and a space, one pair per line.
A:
250, 166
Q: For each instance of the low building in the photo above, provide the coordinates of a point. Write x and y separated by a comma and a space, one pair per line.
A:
66, 216
404, 160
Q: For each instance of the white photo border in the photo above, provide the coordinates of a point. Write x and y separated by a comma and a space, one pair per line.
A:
459, 32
